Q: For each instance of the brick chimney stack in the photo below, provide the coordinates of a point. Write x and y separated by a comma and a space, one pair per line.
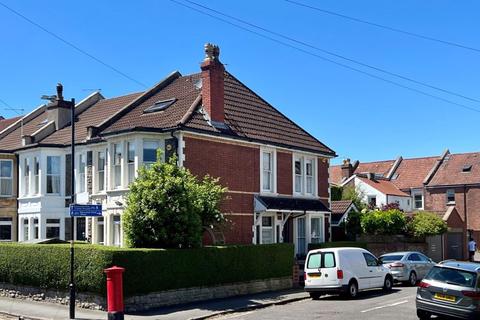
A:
213, 99
347, 169
59, 110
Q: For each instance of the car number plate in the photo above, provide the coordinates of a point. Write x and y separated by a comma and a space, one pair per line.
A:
444, 297
314, 275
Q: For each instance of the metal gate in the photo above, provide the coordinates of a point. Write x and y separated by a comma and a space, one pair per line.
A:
455, 245
435, 248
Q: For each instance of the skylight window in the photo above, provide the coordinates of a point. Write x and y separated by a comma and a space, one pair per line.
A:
160, 105
467, 168
43, 122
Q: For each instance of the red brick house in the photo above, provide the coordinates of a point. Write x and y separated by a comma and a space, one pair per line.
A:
448, 184
276, 172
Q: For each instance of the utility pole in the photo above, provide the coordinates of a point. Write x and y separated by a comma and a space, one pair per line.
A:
72, 221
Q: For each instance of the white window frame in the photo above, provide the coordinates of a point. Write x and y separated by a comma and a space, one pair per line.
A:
55, 225
158, 142
54, 175
131, 172
272, 227
304, 159
100, 170
36, 175
8, 178
117, 180
26, 176
414, 194
370, 197
82, 172
273, 170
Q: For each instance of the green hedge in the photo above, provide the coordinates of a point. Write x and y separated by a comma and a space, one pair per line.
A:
337, 244
147, 270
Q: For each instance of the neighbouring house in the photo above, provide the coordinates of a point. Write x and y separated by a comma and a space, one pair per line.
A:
448, 185
340, 210
8, 186
276, 172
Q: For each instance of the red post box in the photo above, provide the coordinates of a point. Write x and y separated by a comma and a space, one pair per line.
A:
115, 293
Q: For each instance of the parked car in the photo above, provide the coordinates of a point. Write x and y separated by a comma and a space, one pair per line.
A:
344, 270
408, 266
451, 289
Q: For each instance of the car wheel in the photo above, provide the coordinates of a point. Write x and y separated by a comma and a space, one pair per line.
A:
352, 290
315, 295
423, 315
388, 284
412, 279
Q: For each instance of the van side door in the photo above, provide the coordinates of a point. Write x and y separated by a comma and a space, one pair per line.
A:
375, 276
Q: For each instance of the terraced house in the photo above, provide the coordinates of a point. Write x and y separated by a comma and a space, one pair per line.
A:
276, 173
8, 186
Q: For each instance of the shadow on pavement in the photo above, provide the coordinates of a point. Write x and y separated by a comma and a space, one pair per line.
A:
363, 295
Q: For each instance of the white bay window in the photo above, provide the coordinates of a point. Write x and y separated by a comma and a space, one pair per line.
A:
268, 168
150, 148
53, 174
304, 169
101, 171
81, 172
131, 161
117, 165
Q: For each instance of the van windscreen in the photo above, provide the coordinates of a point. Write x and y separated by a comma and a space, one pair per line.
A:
321, 260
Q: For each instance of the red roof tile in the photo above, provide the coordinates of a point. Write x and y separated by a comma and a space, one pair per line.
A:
4, 123
451, 172
381, 168
384, 186
340, 207
412, 172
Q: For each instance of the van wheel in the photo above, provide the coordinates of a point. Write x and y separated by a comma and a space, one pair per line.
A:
352, 291
412, 279
423, 315
315, 295
388, 284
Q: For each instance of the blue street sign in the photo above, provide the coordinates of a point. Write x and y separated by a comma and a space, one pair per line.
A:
85, 210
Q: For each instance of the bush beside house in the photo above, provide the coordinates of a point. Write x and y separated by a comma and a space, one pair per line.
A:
147, 270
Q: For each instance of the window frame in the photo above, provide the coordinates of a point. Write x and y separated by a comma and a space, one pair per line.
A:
304, 161
59, 175
5, 222
415, 194
273, 170
117, 165
7, 178
82, 172
26, 176
101, 171
36, 175
149, 163
448, 193
131, 173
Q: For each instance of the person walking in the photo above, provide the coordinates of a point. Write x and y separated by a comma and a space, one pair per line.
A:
472, 247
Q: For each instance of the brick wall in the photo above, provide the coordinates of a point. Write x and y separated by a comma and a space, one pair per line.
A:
323, 185
284, 180
8, 206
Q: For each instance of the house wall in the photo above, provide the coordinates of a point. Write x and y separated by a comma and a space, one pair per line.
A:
403, 202
8, 205
366, 191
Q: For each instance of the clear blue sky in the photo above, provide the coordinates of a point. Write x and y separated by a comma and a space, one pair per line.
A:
358, 116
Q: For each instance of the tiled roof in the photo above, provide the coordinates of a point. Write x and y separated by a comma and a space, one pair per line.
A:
246, 114
13, 140
412, 172
451, 172
340, 207
381, 168
4, 123
384, 186
92, 116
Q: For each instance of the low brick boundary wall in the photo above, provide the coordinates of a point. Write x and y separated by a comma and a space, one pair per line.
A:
151, 300
379, 245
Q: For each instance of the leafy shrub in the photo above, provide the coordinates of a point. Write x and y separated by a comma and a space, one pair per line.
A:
383, 222
167, 207
426, 224
147, 270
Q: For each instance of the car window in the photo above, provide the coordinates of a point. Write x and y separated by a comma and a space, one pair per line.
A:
391, 258
414, 257
314, 261
423, 258
370, 260
452, 276
321, 260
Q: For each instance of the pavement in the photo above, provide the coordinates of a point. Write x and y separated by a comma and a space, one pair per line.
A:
31, 310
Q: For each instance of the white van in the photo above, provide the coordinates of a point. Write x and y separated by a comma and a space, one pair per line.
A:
344, 270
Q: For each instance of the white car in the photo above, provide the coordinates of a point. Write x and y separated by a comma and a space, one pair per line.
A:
344, 270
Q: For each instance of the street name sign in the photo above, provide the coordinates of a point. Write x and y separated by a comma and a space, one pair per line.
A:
85, 210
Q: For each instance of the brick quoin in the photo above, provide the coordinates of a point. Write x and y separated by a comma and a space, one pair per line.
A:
284, 179
323, 185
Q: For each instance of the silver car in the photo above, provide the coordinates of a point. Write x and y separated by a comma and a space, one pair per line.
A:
407, 267
450, 289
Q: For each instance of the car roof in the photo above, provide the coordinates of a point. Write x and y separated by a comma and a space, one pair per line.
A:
337, 249
467, 266
399, 252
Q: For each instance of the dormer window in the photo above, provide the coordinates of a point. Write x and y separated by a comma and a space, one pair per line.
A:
467, 168
160, 105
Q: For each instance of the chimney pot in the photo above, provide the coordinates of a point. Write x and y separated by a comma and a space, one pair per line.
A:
213, 87
59, 92
347, 169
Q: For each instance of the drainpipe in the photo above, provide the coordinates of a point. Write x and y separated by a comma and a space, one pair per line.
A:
465, 213
17, 165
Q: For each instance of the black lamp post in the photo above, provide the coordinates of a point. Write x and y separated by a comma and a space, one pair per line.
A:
72, 222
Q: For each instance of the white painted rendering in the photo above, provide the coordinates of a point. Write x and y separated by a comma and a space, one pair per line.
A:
367, 191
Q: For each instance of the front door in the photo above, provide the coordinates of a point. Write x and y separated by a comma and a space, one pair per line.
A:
454, 245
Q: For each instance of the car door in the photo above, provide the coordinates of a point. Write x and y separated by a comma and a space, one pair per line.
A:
427, 264
375, 276
415, 264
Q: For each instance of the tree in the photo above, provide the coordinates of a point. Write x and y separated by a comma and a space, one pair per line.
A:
336, 193
167, 207
390, 221
426, 224
354, 194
